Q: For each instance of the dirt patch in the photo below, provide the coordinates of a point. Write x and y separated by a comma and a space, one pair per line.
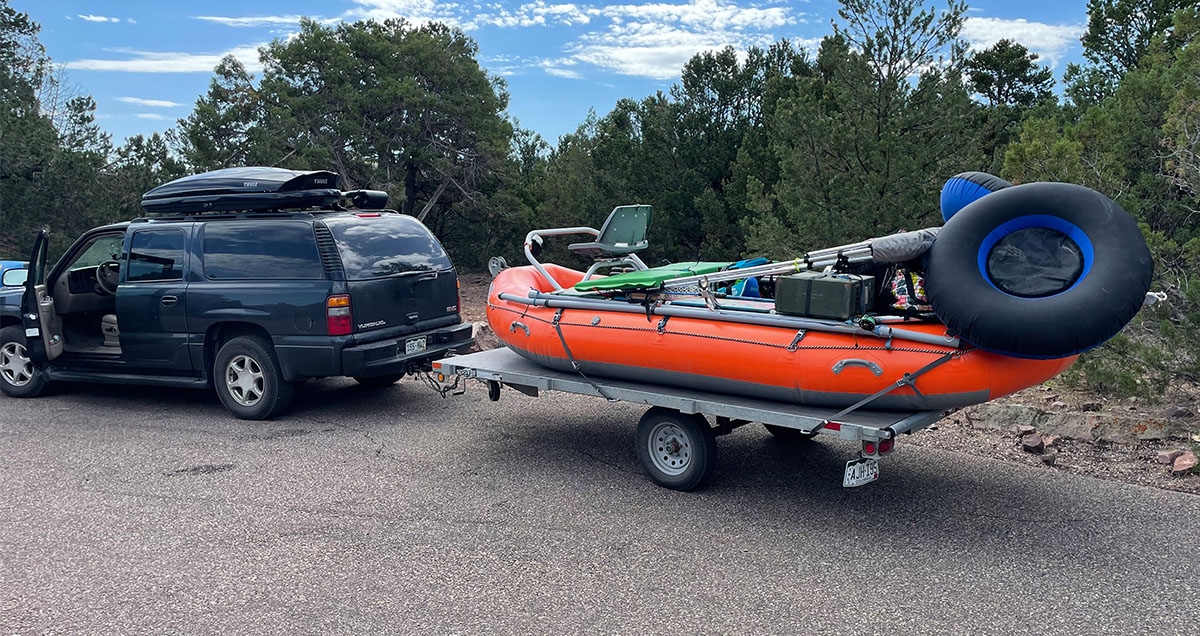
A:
1119, 440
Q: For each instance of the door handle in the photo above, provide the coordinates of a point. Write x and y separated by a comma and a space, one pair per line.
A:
169, 301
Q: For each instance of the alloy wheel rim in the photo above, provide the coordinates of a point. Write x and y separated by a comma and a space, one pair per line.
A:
245, 381
15, 365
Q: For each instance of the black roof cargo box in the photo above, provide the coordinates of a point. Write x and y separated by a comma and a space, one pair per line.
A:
250, 188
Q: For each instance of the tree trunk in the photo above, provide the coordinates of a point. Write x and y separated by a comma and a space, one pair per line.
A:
410, 188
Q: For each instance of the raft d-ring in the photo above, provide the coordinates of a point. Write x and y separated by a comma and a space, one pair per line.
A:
796, 341
516, 324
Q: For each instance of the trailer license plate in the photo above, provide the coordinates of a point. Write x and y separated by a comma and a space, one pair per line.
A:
860, 471
414, 345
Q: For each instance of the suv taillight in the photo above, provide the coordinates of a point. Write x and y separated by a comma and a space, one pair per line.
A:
337, 315
458, 294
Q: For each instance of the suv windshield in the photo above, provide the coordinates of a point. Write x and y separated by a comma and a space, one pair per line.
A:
375, 246
105, 248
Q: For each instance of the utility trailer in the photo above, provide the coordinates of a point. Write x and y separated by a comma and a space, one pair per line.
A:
676, 445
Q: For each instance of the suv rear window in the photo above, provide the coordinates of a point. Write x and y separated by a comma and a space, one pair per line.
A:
376, 246
260, 249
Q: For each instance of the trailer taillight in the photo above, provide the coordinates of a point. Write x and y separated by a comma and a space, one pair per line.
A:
338, 320
869, 448
885, 445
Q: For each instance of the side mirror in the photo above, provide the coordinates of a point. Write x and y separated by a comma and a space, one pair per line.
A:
14, 277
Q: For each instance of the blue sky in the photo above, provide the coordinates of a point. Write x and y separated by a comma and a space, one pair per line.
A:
146, 62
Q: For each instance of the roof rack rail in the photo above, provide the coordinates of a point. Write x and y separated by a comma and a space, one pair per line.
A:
255, 189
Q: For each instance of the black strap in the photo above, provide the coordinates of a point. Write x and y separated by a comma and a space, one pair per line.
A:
570, 358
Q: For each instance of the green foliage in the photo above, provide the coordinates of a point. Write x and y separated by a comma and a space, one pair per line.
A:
1121, 31
862, 145
1007, 74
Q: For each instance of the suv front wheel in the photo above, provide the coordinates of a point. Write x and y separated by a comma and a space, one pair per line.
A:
18, 377
248, 380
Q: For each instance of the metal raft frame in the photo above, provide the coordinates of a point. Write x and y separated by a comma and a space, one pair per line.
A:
505, 367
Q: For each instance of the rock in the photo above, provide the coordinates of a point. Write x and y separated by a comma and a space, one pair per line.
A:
1032, 444
1059, 405
484, 338
1050, 399
1051, 440
1178, 411
1050, 458
1025, 429
1090, 406
1184, 463
1167, 456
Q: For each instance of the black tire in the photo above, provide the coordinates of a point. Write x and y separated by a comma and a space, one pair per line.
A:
18, 377
1092, 283
248, 379
379, 381
677, 451
788, 435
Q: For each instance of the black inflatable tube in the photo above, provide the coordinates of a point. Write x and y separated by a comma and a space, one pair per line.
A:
1093, 309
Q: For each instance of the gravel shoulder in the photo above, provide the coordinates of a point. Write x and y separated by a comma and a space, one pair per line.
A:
972, 432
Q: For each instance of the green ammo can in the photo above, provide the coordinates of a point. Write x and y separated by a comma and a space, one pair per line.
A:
821, 295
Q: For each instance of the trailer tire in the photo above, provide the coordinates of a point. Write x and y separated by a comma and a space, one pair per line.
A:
677, 451
788, 435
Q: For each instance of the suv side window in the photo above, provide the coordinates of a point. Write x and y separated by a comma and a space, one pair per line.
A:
156, 254
274, 249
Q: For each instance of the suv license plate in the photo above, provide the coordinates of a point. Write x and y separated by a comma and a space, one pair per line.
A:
414, 345
860, 471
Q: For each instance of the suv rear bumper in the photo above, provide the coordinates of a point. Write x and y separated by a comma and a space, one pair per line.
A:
386, 357
307, 357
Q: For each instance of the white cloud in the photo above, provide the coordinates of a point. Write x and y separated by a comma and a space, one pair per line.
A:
164, 62
250, 21
149, 116
96, 18
131, 20
415, 11
558, 68
150, 103
1051, 42
656, 40
536, 14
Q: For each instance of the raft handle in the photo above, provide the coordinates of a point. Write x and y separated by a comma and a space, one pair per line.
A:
858, 362
516, 324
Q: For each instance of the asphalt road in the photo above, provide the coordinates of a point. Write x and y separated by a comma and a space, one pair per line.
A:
127, 510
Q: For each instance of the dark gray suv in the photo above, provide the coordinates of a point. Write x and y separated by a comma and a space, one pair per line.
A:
248, 280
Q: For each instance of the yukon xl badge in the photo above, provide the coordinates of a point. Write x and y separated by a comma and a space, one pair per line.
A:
368, 325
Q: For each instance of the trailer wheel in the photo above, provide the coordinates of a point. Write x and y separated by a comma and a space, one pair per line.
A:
789, 435
677, 451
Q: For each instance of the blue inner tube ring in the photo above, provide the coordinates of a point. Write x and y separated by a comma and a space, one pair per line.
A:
1079, 240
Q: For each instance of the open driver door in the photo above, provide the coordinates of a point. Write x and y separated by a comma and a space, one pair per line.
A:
43, 329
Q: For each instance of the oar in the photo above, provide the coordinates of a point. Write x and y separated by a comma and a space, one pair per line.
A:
818, 259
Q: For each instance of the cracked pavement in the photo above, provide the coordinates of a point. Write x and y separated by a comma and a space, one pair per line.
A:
135, 510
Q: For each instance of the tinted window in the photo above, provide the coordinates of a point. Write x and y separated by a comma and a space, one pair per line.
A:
270, 249
156, 254
388, 244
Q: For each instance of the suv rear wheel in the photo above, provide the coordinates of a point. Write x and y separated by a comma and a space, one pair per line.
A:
248, 380
18, 377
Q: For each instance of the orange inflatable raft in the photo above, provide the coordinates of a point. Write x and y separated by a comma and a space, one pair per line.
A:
684, 342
